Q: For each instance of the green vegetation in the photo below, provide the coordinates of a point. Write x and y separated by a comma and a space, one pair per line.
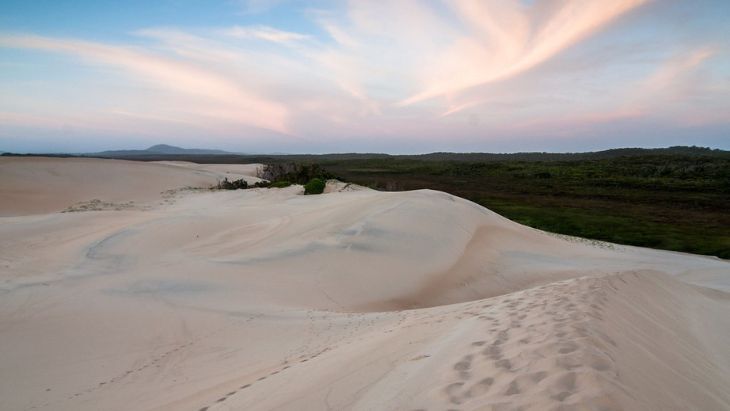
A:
280, 184
284, 174
232, 185
293, 173
314, 186
240, 184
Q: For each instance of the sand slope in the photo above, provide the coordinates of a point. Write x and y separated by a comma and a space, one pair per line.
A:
32, 185
356, 299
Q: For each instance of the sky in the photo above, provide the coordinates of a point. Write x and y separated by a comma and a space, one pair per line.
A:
278, 76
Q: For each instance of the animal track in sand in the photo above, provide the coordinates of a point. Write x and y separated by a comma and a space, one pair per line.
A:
283, 368
155, 362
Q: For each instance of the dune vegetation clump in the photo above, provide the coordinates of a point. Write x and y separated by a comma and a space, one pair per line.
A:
242, 184
280, 184
232, 185
314, 186
296, 173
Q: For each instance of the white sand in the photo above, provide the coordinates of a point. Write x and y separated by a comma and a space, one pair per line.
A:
266, 299
31, 185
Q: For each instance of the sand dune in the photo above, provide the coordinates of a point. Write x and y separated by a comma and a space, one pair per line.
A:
32, 185
355, 299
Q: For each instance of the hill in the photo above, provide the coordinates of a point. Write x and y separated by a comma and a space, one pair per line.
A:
158, 149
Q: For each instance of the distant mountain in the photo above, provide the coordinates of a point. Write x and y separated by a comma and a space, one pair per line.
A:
687, 151
159, 149
168, 149
199, 155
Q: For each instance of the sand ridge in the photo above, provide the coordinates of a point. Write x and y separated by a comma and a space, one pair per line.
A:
356, 299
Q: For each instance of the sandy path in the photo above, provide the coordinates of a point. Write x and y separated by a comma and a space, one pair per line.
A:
266, 299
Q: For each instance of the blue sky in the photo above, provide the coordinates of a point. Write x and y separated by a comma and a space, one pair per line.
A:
395, 76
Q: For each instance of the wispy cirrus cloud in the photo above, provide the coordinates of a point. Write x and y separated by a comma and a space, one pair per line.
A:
264, 33
445, 51
405, 69
506, 38
668, 74
221, 97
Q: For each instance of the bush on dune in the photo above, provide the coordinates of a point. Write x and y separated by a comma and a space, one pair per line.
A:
293, 172
232, 185
314, 186
313, 177
280, 184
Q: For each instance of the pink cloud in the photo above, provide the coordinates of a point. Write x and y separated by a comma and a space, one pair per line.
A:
405, 69
506, 38
224, 99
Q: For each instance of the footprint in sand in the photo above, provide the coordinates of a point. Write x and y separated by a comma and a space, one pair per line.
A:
480, 388
562, 396
505, 363
464, 364
538, 376
568, 348
513, 389
493, 352
452, 390
565, 383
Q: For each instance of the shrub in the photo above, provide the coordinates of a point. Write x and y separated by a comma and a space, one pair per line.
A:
280, 184
294, 172
232, 185
314, 186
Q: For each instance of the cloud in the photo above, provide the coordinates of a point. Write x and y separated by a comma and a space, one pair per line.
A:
506, 38
674, 69
689, 93
264, 33
422, 51
222, 98
671, 93
385, 71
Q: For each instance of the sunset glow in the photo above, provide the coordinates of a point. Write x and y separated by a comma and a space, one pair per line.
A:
393, 76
